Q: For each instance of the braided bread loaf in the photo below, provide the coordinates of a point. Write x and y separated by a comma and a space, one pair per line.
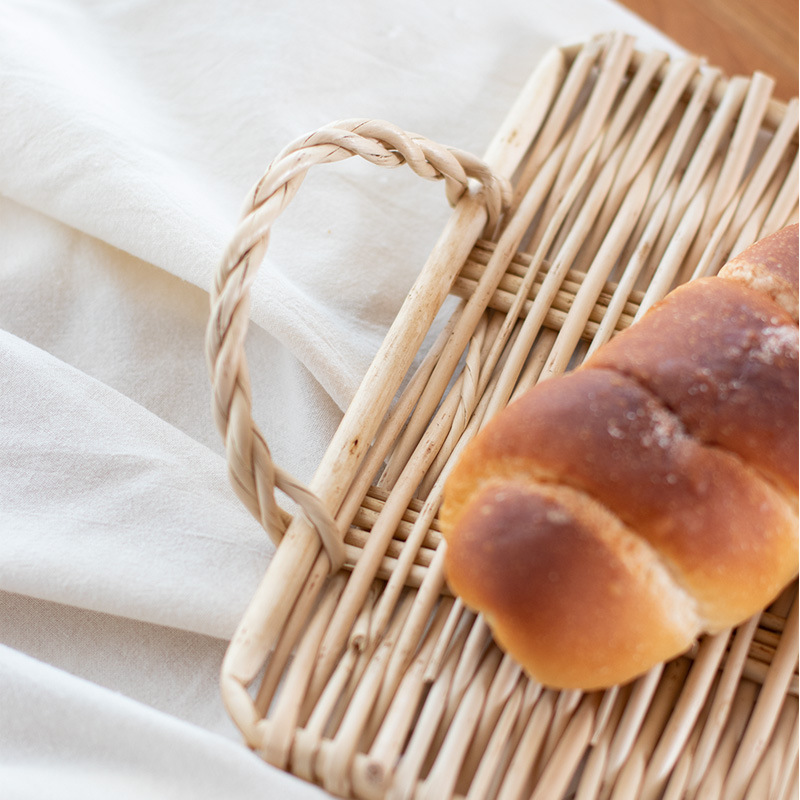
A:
606, 518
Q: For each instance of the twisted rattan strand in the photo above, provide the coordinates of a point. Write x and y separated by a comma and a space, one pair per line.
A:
253, 474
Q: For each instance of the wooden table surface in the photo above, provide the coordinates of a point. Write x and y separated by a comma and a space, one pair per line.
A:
740, 36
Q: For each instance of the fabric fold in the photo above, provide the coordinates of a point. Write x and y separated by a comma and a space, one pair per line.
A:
106, 507
63, 736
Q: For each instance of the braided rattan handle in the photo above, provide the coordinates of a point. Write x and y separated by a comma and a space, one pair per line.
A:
252, 473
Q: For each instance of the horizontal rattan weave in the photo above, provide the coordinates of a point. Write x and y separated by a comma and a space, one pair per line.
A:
617, 175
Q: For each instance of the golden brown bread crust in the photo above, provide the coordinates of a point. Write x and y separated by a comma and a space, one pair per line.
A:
724, 359
612, 574
770, 266
722, 527
668, 460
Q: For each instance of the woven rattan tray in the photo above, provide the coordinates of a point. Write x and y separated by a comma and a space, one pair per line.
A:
617, 175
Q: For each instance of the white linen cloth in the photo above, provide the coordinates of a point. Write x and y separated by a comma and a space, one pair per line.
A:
131, 132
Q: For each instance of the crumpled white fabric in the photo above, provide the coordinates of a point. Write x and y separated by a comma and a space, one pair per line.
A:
131, 132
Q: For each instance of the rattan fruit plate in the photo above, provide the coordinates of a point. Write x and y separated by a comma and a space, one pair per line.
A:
617, 175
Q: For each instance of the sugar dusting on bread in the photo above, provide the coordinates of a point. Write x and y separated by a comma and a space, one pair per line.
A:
777, 342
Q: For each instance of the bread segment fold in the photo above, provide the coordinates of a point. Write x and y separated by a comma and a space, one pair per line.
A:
599, 596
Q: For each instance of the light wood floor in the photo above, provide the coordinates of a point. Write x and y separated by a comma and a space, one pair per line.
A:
740, 36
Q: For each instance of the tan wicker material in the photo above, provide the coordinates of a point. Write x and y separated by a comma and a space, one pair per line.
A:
616, 175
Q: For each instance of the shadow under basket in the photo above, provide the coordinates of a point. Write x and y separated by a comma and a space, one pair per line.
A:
617, 175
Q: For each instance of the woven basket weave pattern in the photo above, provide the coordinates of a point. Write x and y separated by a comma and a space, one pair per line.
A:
617, 175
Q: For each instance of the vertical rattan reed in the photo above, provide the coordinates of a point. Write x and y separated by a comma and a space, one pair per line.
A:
617, 175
